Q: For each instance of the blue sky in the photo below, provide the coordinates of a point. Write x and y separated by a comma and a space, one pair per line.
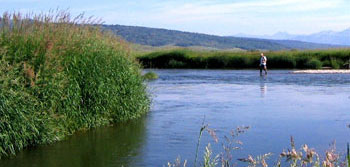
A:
219, 17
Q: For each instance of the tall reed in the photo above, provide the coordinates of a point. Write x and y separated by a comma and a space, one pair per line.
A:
183, 58
60, 74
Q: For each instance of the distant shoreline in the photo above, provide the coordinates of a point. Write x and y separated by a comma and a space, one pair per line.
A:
315, 59
343, 71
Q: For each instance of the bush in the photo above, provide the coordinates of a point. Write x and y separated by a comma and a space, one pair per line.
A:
335, 64
217, 61
176, 64
150, 76
313, 64
59, 76
285, 61
239, 60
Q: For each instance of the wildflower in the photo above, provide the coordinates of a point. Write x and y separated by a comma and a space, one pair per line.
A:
309, 153
294, 154
283, 154
327, 163
263, 163
213, 134
250, 160
331, 156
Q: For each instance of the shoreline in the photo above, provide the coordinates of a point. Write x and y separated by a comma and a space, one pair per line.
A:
343, 71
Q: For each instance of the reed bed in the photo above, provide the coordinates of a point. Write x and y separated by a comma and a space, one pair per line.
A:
60, 74
293, 59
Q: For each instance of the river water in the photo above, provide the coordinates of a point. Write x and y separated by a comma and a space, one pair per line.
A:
313, 108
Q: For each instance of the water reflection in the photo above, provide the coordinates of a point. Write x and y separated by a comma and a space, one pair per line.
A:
106, 146
263, 86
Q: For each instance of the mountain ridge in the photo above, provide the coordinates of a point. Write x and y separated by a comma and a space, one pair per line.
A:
158, 37
322, 37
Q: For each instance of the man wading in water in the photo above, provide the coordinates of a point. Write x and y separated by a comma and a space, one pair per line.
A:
263, 61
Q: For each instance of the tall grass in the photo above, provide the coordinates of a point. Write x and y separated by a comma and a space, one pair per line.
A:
312, 59
293, 157
60, 74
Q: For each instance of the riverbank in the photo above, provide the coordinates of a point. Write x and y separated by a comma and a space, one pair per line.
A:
60, 75
310, 59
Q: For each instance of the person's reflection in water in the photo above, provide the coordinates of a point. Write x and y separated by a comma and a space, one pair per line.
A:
263, 87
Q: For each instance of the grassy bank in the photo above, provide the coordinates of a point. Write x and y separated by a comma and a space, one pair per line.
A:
313, 59
59, 75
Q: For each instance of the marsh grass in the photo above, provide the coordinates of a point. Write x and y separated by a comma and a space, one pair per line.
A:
292, 157
60, 74
183, 58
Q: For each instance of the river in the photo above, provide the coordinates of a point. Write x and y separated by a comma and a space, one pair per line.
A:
313, 108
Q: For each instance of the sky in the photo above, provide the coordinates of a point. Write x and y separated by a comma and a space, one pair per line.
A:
217, 17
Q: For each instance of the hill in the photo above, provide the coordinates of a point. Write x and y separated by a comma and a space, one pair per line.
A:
162, 37
325, 37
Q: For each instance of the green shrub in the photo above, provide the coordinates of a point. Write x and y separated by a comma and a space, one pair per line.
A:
218, 61
313, 64
335, 64
150, 76
301, 61
285, 61
326, 63
59, 76
176, 64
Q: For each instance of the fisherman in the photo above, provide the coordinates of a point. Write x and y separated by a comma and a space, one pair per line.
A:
263, 61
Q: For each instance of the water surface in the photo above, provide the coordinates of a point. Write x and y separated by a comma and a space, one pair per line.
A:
313, 108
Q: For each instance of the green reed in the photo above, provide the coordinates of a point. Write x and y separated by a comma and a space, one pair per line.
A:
60, 74
293, 59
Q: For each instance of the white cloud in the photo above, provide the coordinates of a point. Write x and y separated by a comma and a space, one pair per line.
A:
268, 16
200, 8
19, 1
220, 17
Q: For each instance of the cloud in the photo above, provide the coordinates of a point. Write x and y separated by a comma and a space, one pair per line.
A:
205, 8
19, 1
269, 15
222, 17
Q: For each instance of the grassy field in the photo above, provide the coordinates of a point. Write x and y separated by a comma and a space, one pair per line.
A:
185, 58
59, 75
